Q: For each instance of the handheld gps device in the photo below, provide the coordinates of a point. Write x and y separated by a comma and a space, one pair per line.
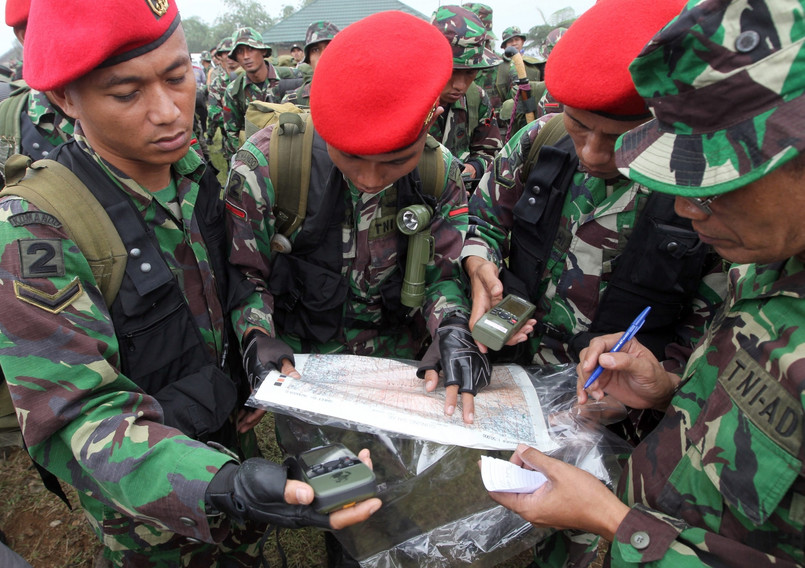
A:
339, 479
499, 324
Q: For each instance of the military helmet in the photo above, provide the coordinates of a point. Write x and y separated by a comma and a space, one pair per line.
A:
467, 36
510, 32
250, 37
205, 56
483, 12
318, 32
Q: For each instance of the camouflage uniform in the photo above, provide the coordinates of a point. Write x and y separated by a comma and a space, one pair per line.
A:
486, 77
317, 32
477, 143
220, 79
50, 123
141, 483
370, 244
721, 479
597, 216
241, 91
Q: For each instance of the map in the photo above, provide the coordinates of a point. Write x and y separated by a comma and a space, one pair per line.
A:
384, 395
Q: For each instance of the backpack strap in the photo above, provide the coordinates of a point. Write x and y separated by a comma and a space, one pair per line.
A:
550, 133
289, 165
10, 110
53, 188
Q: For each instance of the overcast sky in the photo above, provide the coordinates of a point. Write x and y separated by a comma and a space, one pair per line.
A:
523, 13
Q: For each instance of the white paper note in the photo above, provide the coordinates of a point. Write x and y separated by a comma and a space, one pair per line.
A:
504, 476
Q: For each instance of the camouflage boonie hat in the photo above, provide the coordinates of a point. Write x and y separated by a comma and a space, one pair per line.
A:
317, 32
224, 46
205, 56
484, 13
467, 36
510, 32
725, 81
250, 37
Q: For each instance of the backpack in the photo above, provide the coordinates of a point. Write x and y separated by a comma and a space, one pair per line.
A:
10, 109
290, 160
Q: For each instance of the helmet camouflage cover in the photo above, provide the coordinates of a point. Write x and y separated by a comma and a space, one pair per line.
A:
224, 46
250, 37
317, 32
205, 56
467, 36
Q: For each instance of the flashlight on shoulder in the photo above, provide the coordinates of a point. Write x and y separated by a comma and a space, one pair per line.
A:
414, 221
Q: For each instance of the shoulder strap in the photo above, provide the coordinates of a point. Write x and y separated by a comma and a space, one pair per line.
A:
289, 164
55, 189
549, 134
10, 110
473, 103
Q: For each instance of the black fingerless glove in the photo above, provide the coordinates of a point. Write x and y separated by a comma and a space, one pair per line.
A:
455, 353
255, 490
263, 354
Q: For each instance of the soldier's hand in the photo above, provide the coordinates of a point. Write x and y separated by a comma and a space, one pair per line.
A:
633, 375
259, 490
466, 369
487, 289
263, 354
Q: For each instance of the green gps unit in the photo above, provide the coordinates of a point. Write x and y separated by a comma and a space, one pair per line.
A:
499, 324
339, 479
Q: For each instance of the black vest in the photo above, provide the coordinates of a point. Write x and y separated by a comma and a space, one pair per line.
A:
161, 347
661, 265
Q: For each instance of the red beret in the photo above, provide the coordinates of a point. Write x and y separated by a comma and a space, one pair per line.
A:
66, 40
17, 12
589, 67
380, 105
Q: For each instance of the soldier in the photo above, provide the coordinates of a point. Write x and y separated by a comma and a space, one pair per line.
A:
297, 54
486, 77
256, 84
206, 63
720, 481
468, 127
318, 35
221, 76
120, 401
337, 280
513, 108
29, 122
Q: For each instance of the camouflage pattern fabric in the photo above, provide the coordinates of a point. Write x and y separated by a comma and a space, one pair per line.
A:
472, 144
317, 32
369, 243
467, 36
220, 79
140, 482
703, 144
52, 124
301, 96
484, 14
239, 93
249, 37
596, 217
720, 481
510, 32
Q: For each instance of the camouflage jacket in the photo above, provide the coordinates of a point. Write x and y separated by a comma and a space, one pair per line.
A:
474, 144
721, 480
370, 241
215, 98
597, 216
50, 123
239, 93
141, 482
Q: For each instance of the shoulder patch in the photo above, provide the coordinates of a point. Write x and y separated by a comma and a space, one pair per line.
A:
41, 258
52, 303
770, 407
34, 218
234, 185
249, 159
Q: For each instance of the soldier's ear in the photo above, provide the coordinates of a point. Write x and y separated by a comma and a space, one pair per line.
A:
62, 97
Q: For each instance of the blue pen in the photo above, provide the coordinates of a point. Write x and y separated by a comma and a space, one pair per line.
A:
630, 333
